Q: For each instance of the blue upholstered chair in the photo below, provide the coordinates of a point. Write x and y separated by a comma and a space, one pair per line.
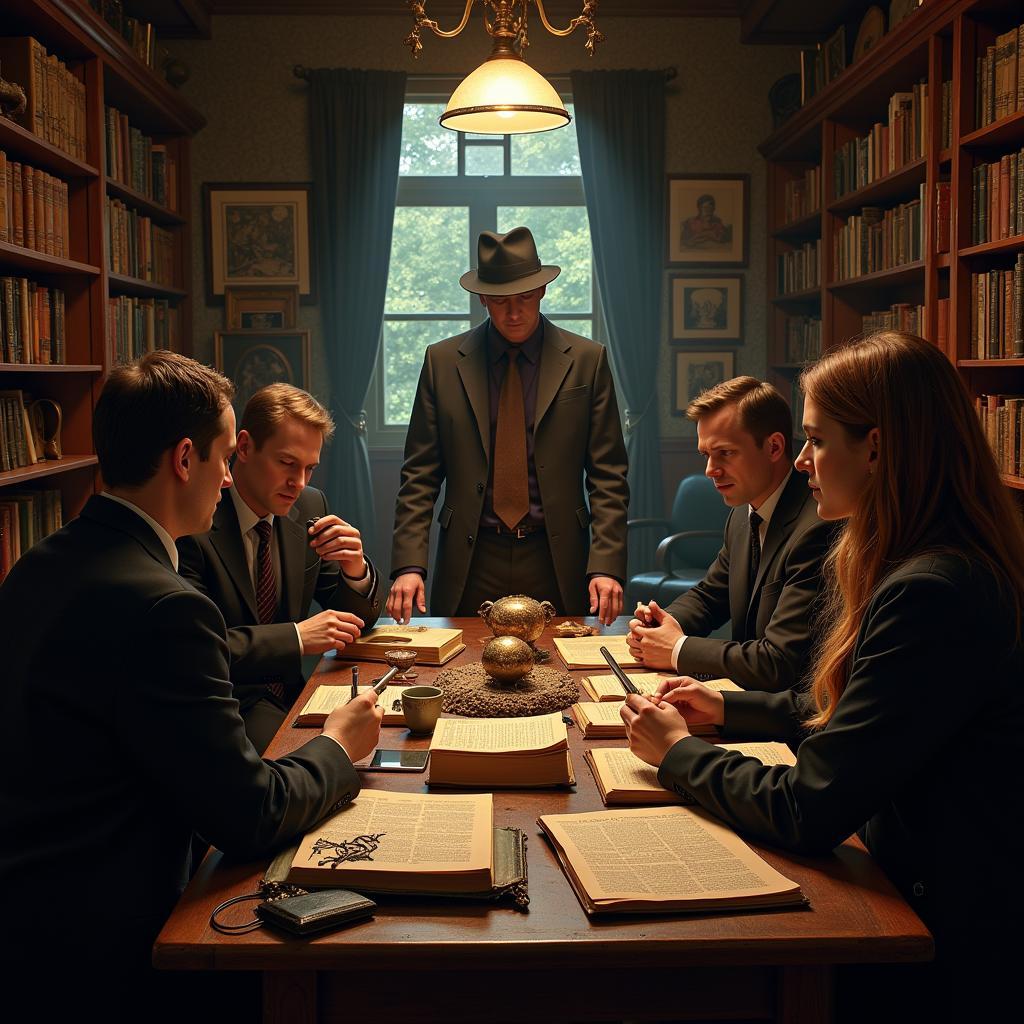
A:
693, 538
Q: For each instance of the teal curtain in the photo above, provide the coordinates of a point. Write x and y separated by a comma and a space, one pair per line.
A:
356, 136
621, 129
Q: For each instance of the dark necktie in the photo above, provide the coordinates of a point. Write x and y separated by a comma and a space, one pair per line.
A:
266, 587
511, 487
755, 545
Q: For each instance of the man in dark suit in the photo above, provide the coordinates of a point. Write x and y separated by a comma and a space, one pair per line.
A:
117, 715
767, 577
262, 566
511, 417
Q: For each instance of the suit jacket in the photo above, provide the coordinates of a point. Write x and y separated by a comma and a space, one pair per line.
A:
576, 435
123, 735
772, 615
922, 753
214, 563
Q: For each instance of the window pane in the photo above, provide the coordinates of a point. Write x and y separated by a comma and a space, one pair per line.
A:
427, 148
562, 234
554, 152
485, 160
584, 327
429, 253
404, 344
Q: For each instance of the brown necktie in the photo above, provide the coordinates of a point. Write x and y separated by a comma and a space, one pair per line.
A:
266, 588
511, 489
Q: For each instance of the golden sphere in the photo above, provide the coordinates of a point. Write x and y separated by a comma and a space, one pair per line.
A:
507, 659
517, 615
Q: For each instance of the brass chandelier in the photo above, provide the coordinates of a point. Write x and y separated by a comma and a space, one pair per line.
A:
504, 96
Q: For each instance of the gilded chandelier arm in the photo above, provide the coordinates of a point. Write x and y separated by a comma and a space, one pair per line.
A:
594, 36
419, 13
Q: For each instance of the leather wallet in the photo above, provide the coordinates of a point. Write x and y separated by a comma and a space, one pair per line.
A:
315, 912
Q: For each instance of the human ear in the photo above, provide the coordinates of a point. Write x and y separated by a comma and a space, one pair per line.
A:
181, 456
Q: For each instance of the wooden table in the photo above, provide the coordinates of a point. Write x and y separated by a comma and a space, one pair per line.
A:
446, 960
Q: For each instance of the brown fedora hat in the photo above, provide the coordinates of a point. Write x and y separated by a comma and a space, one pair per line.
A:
507, 265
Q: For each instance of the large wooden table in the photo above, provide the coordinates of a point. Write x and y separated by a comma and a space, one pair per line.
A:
447, 960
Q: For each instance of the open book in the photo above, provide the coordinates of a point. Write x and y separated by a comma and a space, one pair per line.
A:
662, 860
433, 645
623, 779
509, 752
327, 697
607, 687
602, 721
585, 651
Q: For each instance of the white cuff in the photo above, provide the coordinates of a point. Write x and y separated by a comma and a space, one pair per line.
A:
333, 740
361, 586
298, 636
675, 652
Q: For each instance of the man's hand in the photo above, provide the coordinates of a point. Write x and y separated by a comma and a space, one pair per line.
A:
406, 590
652, 645
356, 725
329, 631
334, 540
605, 598
652, 728
697, 703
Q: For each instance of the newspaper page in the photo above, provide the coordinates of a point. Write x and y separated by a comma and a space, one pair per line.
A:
500, 735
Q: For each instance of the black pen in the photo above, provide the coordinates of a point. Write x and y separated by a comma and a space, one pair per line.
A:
619, 674
355, 682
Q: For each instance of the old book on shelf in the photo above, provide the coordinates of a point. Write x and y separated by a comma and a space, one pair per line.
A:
585, 651
432, 644
663, 860
501, 752
327, 697
600, 720
623, 779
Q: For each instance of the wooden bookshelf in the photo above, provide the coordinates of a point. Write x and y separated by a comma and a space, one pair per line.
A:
113, 76
939, 43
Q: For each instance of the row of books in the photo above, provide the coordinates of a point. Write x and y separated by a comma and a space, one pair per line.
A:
802, 196
33, 209
796, 405
137, 161
56, 97
901, 316
1001, 417
997, 313
887, 147
803, 338
138, 247
21, 443
946, 116
26, 517
32, 322
943, 216
800, 269
997, 192
136, 326
877, 239
999, 78
138, 34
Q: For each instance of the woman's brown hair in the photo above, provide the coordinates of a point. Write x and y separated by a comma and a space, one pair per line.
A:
935, 488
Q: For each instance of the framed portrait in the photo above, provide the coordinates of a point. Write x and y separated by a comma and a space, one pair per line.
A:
835, 54
708, 218
253, 359
260, 309
707, 308
694, 372
258, 235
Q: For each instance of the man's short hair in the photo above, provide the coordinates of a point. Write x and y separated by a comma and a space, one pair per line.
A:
267, 409
763, 411
148, 406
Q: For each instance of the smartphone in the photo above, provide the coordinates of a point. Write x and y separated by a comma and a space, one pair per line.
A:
397, 761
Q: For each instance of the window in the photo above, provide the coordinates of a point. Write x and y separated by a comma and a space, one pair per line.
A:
452, 187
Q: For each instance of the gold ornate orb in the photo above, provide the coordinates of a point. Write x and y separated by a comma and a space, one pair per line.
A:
506, 659
517, 616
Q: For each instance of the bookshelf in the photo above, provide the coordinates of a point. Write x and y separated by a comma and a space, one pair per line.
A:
109, 75
934, 290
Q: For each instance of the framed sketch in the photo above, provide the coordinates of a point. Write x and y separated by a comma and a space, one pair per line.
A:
253, 359
694, 372
835, 54
707, 308
708, 218
260, 309
258, 235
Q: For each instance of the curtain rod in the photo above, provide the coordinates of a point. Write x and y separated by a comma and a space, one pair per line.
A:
300, 71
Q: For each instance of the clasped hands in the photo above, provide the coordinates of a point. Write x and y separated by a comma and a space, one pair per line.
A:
656, 723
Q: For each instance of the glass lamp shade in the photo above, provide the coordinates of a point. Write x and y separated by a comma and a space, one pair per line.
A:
504, 96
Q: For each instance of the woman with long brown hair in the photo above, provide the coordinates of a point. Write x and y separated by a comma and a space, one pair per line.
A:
912, 730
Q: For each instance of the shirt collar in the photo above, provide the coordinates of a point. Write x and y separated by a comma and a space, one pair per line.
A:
768, 505
162, 535
497, 345
247, 519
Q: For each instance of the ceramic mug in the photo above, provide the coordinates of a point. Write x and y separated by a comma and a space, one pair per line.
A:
421, 706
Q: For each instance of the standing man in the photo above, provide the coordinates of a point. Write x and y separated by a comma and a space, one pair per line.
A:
262, 566
767, 577
112, 763
511, 417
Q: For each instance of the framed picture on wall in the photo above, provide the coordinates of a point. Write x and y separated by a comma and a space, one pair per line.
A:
707, 308
258, 234
253, 359
694, 372
708, 218
260, 309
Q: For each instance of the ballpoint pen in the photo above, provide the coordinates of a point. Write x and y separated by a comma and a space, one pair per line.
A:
619, 674
355, 682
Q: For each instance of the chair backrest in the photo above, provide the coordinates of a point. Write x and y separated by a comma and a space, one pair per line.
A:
697, 506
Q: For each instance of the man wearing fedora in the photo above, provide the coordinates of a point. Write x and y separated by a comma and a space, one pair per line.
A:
512, 417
